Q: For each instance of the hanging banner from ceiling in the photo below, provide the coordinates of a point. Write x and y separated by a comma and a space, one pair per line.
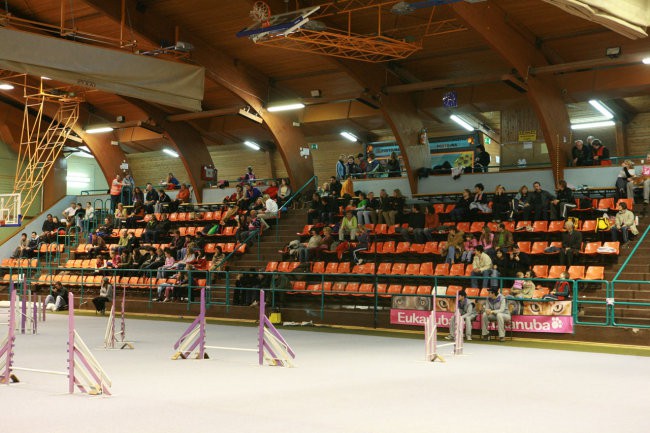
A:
165, 82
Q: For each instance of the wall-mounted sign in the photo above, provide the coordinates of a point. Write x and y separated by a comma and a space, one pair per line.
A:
528, 135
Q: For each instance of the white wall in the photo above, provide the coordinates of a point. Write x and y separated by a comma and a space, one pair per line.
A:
84, 174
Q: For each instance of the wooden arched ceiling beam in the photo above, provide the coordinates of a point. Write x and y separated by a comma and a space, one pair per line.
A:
245, 82
187, 141
401, 113
544, 94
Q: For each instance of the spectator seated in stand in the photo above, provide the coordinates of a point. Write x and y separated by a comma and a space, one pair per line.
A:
521, 207
309, 250
479, 202
571, 244
162, 205
272, 189
562, 289
501, 205
624, 224
563, 202
171, 182
415, 230
454, 245
461, 210
349, 226
641, 180
32, 246
624, 179
284, 192
469, 246
540, 202
150, 198
21, 249
183, 196
481, 267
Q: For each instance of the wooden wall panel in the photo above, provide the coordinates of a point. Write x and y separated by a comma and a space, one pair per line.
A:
154, 166
638, 135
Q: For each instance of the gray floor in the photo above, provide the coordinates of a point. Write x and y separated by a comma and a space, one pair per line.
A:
342, 383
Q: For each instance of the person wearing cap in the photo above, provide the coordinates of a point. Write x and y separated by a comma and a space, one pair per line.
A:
495, 310
467, 315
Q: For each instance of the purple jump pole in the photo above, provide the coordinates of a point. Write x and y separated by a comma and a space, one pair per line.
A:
202, 325
8, 350
23, 311
70, 343
260, 330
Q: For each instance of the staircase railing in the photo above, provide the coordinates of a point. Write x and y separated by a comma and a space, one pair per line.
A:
291, 200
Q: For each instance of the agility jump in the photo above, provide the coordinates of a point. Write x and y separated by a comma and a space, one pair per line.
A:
26, 309
83, 370
111, 337
431, 345
271, 346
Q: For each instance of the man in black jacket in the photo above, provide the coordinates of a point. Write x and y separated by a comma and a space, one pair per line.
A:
415, 230
563, 202
571, 244
540, 202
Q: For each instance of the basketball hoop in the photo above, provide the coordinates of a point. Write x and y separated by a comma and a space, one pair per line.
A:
261, 14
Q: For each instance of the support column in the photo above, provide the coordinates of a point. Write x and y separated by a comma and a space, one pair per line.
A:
491, 23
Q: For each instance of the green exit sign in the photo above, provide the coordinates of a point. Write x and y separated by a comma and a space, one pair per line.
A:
313, 146
487, 140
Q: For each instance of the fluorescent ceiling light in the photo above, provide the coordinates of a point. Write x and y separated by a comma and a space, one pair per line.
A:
252, 145
286, 107
461, 122
349, 136
6, 86
646, 61
45, 78
604, 109
170, 153
99, 129
590, 125
84, 152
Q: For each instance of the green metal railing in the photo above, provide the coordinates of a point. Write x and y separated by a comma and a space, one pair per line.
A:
294, 196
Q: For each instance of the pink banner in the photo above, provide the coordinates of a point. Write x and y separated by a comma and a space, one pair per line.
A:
545, 324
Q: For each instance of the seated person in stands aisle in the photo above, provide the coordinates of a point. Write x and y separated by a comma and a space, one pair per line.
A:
521, 204
467, 316
21, 249
171, 182
454, 245
481, 267
518, 261
284, 193
149, 233
270, 209
415, 230
162, 228
335, 187
58, 299
571, 244
502, 239
362, 244
48, 226
163, 201
562, 289
150, 198
431, 222
540, 202
461, 211
348, 226
315, 209
501, 205
581, 154
68, 213
251, 194
486, 240
32, 246
329, 209
641, 181
105, 295
500, 265
97, 246
328, 239
469, 246
305, 252
625, 177
479, 202
496, 310
624, 224
251, 226
363, 216
600, 153
272, 189
563, 202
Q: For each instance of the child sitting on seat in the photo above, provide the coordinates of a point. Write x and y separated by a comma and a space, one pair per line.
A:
468, 248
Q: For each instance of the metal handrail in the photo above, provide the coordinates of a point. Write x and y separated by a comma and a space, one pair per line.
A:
627, 260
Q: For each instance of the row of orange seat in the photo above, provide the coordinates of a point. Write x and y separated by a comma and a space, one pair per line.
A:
587, 226
210, 248
427, 269
603, 204
19, 263
343, 288
95, 280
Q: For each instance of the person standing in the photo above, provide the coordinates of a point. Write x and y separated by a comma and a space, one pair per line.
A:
581, 154
601, 153
340, 167
393, 166
482, 159
116, 192
642, 180
496, 310
467, 316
